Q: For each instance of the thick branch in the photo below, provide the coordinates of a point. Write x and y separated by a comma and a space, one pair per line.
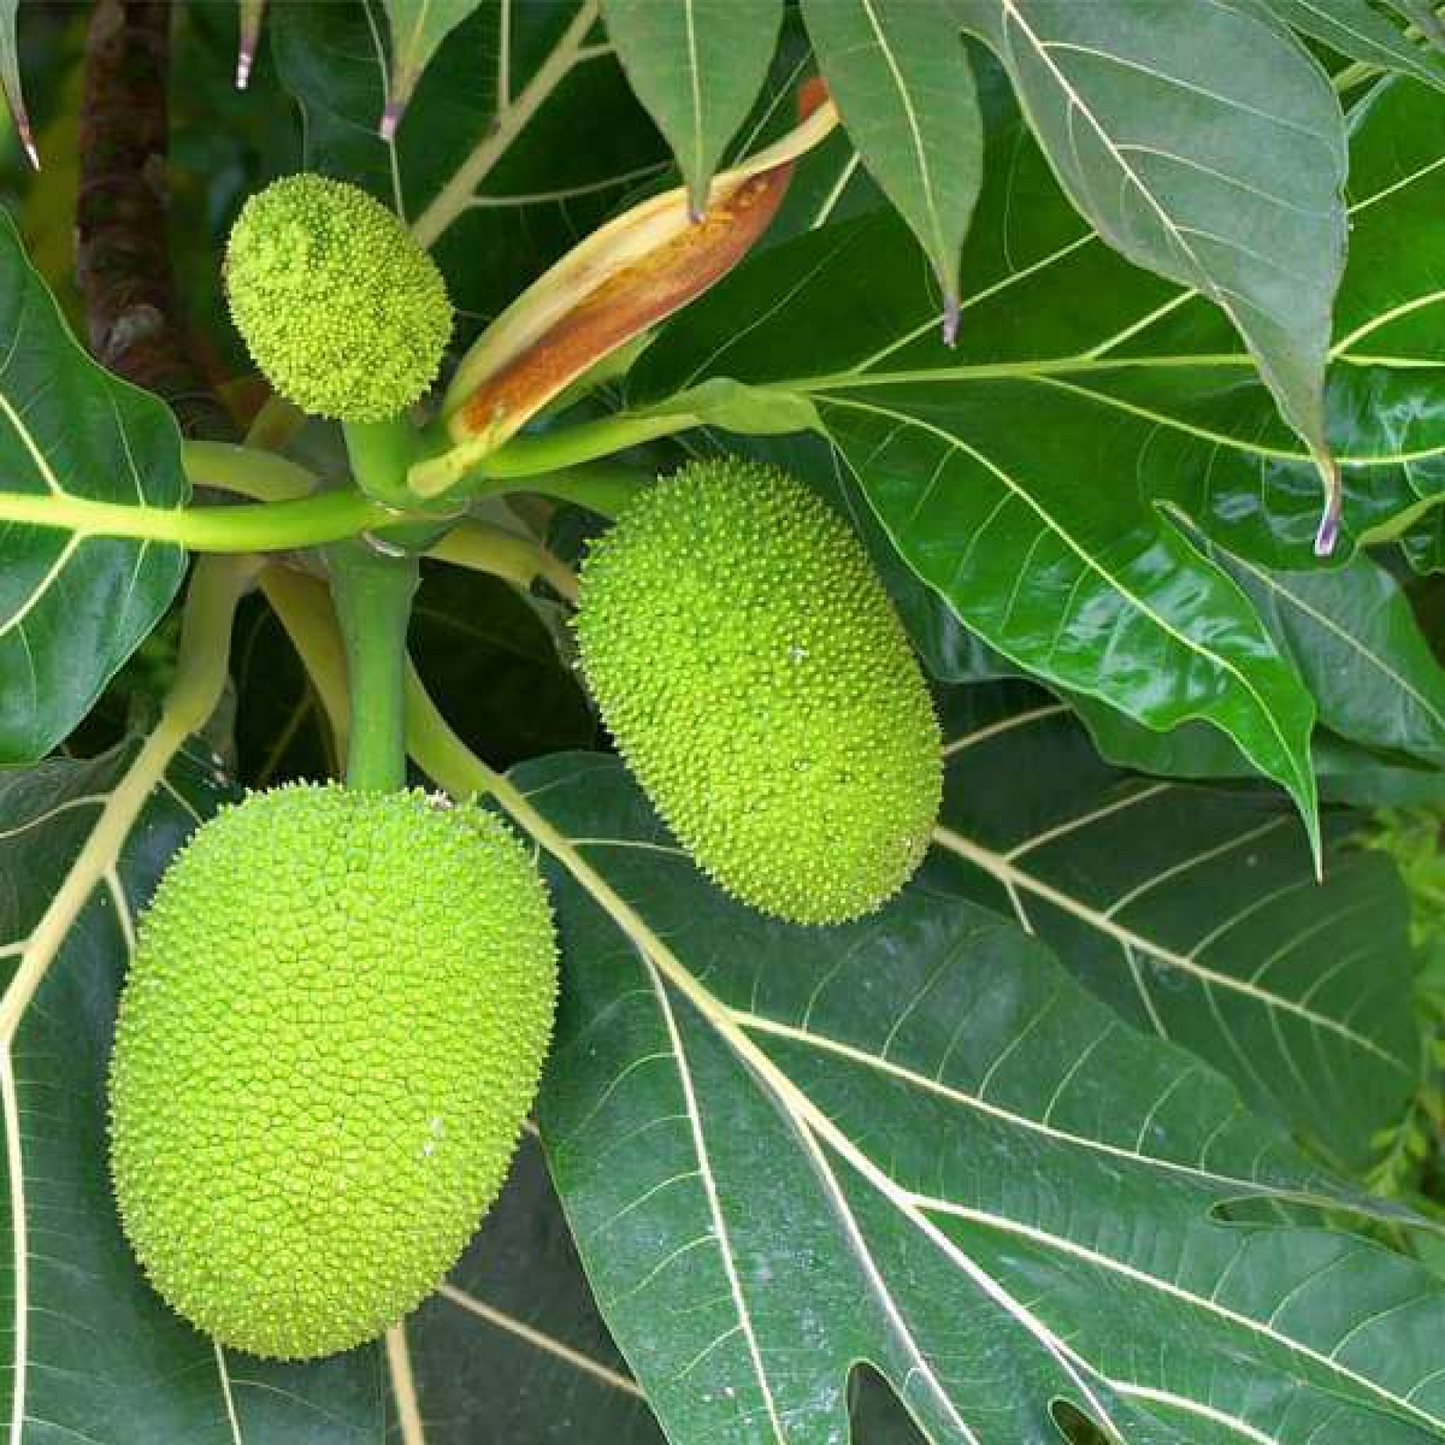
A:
134, 317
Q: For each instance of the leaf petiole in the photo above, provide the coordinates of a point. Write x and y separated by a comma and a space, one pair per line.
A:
543, 461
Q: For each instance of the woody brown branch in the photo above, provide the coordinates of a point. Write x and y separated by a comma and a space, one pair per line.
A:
135, 321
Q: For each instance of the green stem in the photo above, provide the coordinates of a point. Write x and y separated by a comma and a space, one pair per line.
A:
262, 475
373, 593
381, 452
438, 751
531, 457
249, 527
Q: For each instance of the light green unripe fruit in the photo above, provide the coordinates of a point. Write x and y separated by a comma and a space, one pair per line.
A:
328, 1043
344, 313
761, 688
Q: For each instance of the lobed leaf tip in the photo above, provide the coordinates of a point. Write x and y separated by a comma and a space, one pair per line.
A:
22, 128
1328, 532
950, 321
250, 39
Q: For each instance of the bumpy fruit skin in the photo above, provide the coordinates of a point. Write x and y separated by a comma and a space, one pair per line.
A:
762, 690
344, 313
329, 1040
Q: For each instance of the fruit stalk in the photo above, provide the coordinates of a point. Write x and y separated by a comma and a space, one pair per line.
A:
373, 591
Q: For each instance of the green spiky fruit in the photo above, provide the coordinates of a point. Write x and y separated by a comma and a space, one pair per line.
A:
344, 313
761, 688
328, 1043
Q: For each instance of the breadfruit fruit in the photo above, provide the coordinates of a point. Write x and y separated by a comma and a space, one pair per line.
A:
344, 313
329, 1040
760, 686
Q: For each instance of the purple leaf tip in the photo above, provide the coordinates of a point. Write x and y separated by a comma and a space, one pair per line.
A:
244, 58
390, 119
950, 322
1329, 529
27, 139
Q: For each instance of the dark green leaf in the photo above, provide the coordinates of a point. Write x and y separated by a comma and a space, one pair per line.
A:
512, 1347
1194, 914
901, 80
1109, 351
697, 65
90, 1353
1354, 638
915, 1141
1201, 142
73, 604
1356, 29
1391, 305
1051, 569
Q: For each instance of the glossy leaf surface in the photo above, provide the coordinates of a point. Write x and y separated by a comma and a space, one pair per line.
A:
1203, 143
911, 1141
1195, 915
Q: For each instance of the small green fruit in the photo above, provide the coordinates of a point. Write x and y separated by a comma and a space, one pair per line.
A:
328, 1043
344, 313
761, 687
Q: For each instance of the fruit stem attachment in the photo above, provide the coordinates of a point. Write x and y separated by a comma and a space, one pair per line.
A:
381, 452
373, 591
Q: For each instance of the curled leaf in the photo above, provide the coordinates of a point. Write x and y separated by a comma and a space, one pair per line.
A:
617, 284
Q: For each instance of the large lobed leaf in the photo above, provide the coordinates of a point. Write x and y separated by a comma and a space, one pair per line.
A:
73, 604
916, 1142
1194, 914
1202, 142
